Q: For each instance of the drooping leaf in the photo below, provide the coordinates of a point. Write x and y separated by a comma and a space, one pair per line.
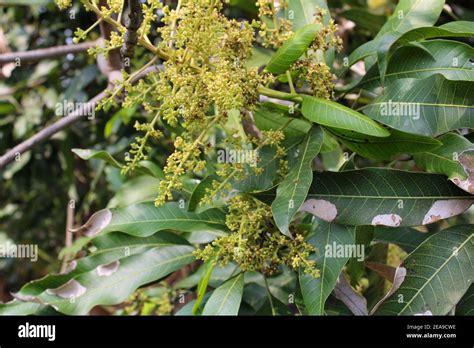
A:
343, 291
389, 43
453, 159
430, 106
315, 291
397, 280
225, 300
111, 248
292, 191
144, 167
449, 58
144, 219
331, 114
87, 290
439, 273
387, 147
381, 196
293, 49
87, 154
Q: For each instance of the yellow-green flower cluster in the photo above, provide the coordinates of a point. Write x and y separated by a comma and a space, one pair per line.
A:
255, 244
142, 303
278, 29
63, 4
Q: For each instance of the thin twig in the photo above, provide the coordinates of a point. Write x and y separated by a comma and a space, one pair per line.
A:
68, 238
45, 53
65, 122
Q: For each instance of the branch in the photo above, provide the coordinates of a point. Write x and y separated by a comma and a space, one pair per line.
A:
44, 53
65, 122
133, 24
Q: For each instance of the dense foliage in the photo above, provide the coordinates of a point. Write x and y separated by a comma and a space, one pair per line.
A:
291, 157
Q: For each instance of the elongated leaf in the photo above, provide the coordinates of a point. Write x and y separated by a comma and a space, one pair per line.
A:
293, 49
329, 113
144, 167
397, 280
429, 107
144, 219
343, 291
385, 148
16, 307
87, 290
408, 14
453, 159
302, 12
466, 305
380, 196
449, 58
439, 272
327, 238
389, 43
202, 285
87, 154
111, 248
406, 238
292, 191
225, 300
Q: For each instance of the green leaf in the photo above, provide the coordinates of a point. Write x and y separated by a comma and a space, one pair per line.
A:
385, 148
111, 248
454, 159
315, 291
408, 14
329, 113
87, 154
302, 12
292, 191
90, 289
16, 307
405, 237
225, 300
429, 107
144, 219
439, 273
202, 285
381, 196
466, 305
293, 49
449, 58
389, 43
144, 167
